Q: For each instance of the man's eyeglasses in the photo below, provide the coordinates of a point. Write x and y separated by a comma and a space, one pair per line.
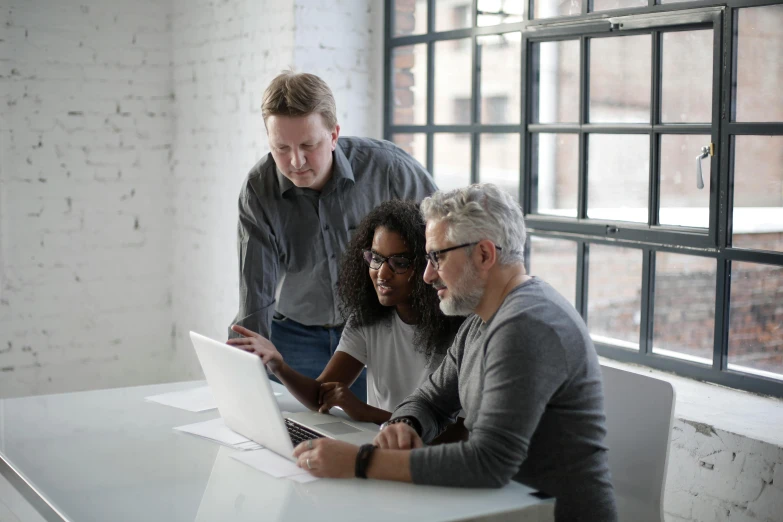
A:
398, 264
434, 256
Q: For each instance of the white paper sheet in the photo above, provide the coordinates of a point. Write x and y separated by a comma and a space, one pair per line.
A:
272, 464
195, 399
217, 431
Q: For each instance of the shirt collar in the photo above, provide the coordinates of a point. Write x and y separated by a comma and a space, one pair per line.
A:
341, 169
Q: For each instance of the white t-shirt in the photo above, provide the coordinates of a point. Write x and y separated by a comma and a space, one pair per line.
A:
394, 368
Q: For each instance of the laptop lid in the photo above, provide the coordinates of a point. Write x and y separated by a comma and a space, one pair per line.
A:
243, 393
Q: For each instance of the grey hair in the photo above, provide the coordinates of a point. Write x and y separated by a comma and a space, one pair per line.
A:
480, 211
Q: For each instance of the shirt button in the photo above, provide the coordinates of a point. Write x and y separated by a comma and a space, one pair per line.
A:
326, 227
333, 256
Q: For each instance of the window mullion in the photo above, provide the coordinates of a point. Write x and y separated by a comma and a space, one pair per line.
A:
648, 302
653, 196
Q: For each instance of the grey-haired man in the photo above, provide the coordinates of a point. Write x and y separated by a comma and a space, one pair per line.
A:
522, 367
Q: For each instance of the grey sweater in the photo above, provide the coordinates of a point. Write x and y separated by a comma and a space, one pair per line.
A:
530, 385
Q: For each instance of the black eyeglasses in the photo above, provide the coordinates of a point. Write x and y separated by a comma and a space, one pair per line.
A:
398, 263
432, 257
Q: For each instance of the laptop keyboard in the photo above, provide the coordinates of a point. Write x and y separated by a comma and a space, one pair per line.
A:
299, 433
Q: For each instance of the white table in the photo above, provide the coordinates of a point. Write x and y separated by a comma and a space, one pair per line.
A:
110, 455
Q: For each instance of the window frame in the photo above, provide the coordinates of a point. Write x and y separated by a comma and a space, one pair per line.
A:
714, 242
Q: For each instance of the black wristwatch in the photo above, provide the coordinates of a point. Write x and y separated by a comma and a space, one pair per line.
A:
413, 422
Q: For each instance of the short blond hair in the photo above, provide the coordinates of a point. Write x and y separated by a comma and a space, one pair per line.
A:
299, 94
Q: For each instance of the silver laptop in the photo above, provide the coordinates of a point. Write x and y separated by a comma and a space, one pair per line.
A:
247, 403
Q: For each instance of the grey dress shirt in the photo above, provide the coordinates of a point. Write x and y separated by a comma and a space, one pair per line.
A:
297, 235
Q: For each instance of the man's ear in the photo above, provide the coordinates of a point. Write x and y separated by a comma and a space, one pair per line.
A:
488, 254
335, 135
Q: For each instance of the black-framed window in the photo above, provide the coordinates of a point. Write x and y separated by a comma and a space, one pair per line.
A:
644, 141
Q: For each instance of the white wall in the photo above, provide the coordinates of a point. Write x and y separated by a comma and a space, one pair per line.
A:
715, 475
127, 129
84, 211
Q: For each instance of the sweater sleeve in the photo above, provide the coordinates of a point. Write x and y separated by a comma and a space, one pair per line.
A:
435, 404
523, 367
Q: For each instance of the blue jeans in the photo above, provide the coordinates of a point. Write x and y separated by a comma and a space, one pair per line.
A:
307, 349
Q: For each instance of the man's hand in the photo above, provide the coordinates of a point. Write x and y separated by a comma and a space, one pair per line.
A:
398, 436
327, 458
256, 343
338, 394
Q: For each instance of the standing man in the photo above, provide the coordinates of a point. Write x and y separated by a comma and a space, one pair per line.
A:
298, 209
522, 367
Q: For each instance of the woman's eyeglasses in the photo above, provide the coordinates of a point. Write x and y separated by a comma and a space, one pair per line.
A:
398, 264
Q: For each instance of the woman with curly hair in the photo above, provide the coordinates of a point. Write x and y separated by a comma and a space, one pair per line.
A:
394, 325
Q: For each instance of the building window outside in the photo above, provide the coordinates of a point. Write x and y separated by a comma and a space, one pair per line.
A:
597, 134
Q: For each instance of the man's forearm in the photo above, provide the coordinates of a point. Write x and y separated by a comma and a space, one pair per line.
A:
390, 465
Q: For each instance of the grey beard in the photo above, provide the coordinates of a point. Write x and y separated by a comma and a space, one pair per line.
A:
463, 302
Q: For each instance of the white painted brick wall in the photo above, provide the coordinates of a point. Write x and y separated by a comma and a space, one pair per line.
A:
719, 476
85, 216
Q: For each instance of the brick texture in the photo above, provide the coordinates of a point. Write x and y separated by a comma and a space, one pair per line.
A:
126, 131
85, 218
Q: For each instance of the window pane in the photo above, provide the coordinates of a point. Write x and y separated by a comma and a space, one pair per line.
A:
413, 144
557, 90
614, 300
554, 261
684, 318
499, 161
758, 193
620, 79
451, 160
682, 203
493, 12
686, 86
556, 174
603, 5
409, 84
759, 64
452, 81
501, 57
454, 14
550, 8
755, 319
410, 17
617, 176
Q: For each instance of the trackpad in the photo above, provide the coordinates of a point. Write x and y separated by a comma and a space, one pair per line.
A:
336, 428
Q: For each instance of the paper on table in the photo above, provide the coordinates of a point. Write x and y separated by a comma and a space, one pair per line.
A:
217, 431
195, 399
271, 463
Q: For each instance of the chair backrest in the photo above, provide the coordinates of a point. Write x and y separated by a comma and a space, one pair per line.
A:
639, 413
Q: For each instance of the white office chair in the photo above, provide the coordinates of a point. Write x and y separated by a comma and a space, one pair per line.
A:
639, 412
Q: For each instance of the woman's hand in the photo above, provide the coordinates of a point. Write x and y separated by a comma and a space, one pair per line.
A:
256, 343
327, 458
338, 394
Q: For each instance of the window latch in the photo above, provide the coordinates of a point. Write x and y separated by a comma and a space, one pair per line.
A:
705, 151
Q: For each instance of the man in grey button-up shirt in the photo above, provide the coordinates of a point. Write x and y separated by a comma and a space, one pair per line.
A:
297, 211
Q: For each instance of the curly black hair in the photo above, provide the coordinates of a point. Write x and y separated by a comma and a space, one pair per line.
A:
359, 303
